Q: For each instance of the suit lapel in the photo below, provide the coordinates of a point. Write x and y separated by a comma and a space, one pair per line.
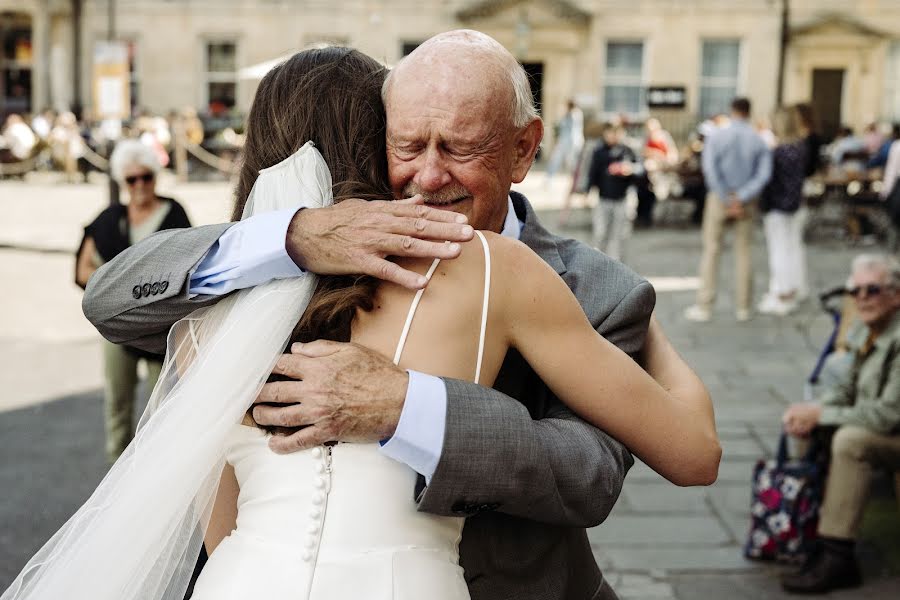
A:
535, 236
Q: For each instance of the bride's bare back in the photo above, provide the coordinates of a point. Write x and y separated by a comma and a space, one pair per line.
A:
443, 338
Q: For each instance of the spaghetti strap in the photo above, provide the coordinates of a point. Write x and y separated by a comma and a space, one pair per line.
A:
412, 313
484, 306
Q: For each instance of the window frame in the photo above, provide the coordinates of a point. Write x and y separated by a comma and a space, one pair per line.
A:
708, 82
621, 81
211, 77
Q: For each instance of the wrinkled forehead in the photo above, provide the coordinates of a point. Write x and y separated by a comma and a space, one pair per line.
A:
455, 87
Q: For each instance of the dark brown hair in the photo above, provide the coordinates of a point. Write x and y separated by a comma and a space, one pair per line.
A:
331, 96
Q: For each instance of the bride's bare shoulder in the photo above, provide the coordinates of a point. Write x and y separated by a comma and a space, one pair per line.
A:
514, 258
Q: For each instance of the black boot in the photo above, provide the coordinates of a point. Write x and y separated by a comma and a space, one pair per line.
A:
833, 567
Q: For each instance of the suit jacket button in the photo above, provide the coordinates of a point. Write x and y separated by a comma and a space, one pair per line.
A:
154, 288
163, 286
136, 292
145, 290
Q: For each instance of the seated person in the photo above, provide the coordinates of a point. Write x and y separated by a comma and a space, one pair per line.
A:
864, 408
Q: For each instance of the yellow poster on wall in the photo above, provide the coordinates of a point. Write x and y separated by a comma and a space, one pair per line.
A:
110, 84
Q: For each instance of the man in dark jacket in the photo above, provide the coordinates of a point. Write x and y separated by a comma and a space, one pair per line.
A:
613, 168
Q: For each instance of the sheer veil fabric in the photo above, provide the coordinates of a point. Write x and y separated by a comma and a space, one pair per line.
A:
138, 536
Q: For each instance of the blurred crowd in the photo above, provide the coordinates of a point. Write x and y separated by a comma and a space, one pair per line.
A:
635, 173
49, 140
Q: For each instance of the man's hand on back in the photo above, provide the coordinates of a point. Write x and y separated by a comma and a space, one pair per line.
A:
342, 392
356, 236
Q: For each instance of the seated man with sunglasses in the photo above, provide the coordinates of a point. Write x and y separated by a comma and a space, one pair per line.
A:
863, 411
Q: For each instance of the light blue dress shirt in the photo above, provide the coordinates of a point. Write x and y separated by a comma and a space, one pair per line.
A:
252, 252
736, 160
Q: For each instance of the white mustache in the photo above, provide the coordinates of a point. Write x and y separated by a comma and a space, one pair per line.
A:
442, 196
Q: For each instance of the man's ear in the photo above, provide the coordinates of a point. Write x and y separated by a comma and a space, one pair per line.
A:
528, 140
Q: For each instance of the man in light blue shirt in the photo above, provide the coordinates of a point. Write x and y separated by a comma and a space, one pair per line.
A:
737, 165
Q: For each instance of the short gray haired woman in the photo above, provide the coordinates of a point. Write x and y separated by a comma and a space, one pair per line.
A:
135, 167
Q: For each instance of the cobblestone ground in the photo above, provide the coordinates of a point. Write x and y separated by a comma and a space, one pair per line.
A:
660, 542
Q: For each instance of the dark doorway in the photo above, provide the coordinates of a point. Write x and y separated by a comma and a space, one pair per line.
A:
827, 91
15, 63
535, 73
406, 48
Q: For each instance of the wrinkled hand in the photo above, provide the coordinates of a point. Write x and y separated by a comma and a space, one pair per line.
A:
801, 419
355, 236
343, 392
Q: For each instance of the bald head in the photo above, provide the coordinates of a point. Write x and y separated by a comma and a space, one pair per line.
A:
461, 126
465, 56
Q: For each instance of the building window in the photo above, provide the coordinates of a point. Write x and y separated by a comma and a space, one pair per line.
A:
221, 76
718, 76
891, 108
623, 90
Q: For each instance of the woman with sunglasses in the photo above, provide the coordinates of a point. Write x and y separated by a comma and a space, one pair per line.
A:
134, 166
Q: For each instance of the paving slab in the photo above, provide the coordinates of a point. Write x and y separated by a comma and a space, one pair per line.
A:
665, 498
701, 559
662, 530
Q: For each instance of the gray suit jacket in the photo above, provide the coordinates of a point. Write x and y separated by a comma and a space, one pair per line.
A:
528, 474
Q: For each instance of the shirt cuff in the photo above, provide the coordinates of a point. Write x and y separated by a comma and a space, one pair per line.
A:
419, 437
250, 253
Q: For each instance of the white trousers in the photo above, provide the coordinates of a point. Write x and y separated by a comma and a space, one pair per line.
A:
612, 227
787, 253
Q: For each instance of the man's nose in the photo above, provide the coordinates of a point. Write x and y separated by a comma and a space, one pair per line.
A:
433, 175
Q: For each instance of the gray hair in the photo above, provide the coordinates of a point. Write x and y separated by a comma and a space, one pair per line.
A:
129, 153
522, 109
879, 262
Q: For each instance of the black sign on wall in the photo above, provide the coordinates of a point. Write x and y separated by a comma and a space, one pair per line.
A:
666, 96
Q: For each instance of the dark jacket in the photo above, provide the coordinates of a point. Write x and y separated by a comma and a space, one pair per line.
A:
784, 192
611, 187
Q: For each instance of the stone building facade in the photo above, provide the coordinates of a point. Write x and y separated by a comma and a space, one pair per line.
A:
679, 60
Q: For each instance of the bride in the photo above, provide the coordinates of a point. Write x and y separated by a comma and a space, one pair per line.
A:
339, 522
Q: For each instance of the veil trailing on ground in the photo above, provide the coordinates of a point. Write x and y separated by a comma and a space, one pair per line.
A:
138, 536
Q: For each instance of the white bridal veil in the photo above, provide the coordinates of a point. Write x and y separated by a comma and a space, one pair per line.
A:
138, 536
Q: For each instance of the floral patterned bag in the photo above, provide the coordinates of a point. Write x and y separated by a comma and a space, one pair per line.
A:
784, 508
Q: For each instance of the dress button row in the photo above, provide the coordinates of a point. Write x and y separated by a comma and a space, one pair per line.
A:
317, 510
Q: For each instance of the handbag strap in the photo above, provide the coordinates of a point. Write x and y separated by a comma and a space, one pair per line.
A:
812, 451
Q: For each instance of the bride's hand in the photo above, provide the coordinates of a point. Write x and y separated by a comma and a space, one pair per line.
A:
342, 392
356, 237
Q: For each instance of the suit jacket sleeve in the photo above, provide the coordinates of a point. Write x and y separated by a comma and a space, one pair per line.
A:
114, 301
557, 469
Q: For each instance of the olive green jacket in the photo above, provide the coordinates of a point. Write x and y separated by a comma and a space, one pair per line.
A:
869, 394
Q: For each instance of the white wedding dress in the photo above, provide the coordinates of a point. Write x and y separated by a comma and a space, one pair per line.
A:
334, 523
329, 523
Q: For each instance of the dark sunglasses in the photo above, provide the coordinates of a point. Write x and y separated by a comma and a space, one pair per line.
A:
871, 290
133, 179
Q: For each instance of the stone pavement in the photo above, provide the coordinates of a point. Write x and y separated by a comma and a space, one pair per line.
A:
660, 542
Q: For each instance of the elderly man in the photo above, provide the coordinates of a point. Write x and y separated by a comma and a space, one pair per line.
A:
865, 409
458, 135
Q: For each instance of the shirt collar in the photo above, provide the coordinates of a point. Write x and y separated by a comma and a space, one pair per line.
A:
512, 227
